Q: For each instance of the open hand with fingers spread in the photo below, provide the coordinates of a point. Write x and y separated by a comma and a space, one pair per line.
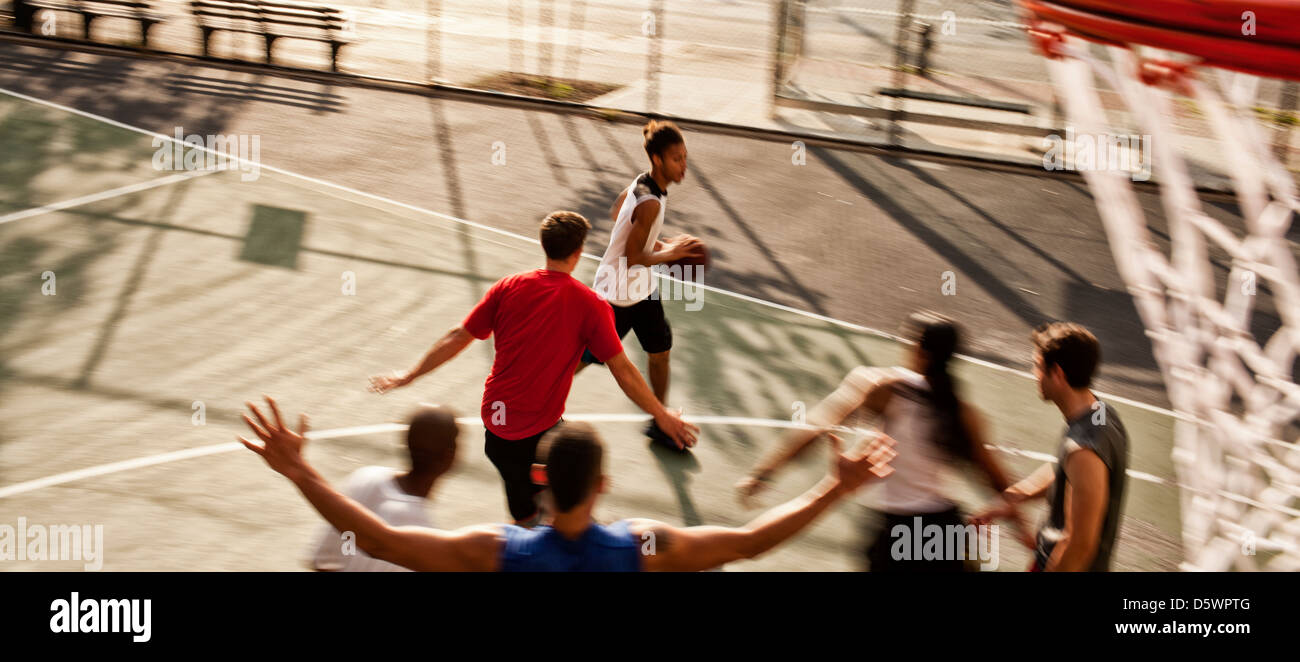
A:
859, 466
281, 447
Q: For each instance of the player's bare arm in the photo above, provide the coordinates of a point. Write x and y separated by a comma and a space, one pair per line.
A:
1032, 487
447, 347
633, 384
704, 547
976, 433
1085, 512
673, 249
863, 387
618, 204
474, 548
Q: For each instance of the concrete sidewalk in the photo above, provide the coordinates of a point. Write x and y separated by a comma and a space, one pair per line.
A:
710, 61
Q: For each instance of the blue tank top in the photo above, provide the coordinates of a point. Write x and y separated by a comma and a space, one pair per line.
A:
602, 548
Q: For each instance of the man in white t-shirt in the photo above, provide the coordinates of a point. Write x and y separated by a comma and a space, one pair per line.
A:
626, 278
399, 498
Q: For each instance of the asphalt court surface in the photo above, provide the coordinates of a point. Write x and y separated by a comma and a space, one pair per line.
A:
203, 288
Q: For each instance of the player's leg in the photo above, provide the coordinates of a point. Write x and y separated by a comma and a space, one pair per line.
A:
513, 459
656, 338
622, 324
659, 373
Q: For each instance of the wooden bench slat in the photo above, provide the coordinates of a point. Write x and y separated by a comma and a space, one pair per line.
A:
90, 10
273, 20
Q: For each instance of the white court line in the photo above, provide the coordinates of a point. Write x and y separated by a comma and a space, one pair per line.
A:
103, 195
176, 456
335, 433
532, 240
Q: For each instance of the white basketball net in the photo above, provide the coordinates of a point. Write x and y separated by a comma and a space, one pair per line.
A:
1237, 400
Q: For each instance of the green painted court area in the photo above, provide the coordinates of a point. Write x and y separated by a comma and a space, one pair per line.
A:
177, 298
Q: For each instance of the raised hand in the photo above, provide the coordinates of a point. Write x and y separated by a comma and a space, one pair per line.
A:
860, 466
281, 447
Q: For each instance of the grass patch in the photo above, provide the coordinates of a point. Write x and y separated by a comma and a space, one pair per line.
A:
561, 89
1278, 117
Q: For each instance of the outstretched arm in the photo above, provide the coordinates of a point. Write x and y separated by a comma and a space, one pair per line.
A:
470, 549
629, 379
862, 386
1032, 487
980, 454
447, 347
703, 547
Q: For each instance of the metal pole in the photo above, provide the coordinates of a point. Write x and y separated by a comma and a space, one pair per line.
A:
900, 60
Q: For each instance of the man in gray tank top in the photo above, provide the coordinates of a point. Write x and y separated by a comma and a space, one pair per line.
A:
1091, 470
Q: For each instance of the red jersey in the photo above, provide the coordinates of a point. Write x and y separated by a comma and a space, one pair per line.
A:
543, 320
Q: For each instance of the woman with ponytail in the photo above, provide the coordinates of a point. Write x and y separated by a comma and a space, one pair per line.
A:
919, 408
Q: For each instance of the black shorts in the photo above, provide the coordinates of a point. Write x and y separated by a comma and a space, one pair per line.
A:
880, 543
514, 460
646, 318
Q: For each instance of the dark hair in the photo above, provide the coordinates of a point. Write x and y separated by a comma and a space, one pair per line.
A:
562, 233
431, 438
939, 337
659, 136
1070, 346
572, 454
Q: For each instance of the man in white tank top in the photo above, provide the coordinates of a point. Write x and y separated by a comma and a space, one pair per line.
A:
626, 277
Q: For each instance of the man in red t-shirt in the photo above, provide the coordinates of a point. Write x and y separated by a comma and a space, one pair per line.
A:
543, 320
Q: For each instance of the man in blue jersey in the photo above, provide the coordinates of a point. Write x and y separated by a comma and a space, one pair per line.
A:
570, 464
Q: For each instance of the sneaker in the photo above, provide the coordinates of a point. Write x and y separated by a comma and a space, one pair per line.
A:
660, 437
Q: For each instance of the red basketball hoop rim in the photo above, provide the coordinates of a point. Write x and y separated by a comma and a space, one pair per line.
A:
1209, 30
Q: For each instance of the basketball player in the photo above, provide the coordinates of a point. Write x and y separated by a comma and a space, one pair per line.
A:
919, 407
543, 320
570, 463
624, 277
399, 498
1085, 488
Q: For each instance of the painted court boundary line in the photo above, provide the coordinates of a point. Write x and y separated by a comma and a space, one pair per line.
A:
336, 433
513, 235
103, 195
176, 456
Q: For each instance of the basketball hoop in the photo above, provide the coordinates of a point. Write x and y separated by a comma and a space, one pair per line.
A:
1236, 396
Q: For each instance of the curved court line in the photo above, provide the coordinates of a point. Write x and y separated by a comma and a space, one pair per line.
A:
176, 456
335, 433
462, 221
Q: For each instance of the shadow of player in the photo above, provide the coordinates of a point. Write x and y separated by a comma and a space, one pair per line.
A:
676, 467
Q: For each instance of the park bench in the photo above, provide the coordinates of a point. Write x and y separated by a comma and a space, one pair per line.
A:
273, 20
93, 9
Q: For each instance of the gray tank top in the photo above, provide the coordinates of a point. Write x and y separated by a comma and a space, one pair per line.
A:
1100, 431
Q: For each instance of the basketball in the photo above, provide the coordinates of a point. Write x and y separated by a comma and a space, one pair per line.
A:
702, 258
